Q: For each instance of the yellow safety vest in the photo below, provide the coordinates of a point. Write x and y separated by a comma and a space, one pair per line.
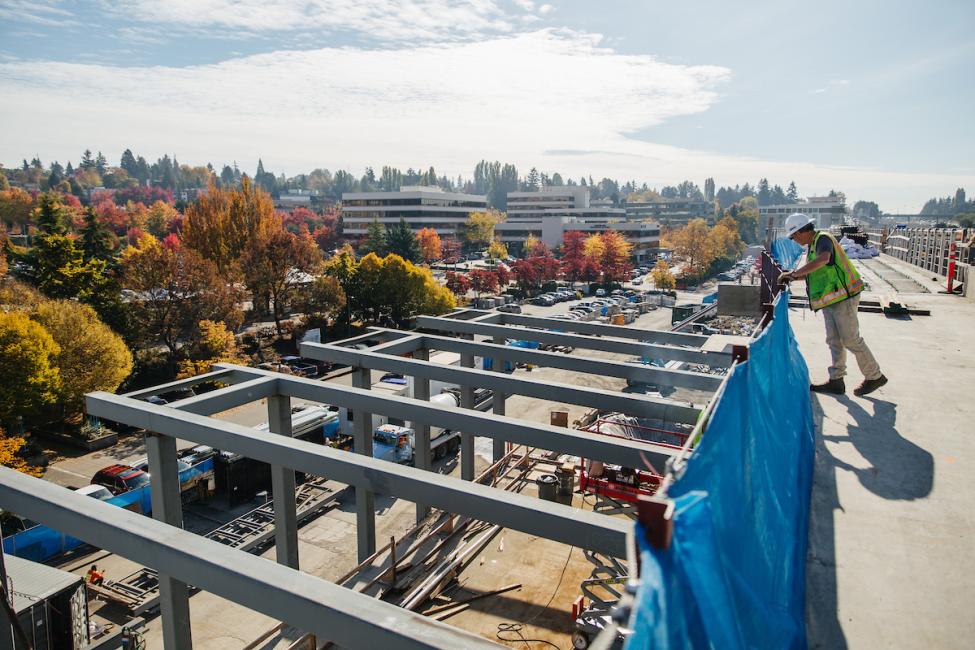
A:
834, 282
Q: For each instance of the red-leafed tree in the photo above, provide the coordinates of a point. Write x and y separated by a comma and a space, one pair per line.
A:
525, 274
483, 281
450, 248
142, 194
457, 283
504, 276
576, 265
112, 215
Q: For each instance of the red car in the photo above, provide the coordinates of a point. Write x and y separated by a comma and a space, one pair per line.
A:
120, 478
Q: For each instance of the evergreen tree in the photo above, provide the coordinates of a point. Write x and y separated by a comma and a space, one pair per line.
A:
87, 162
764, 194
96, 240
709, 189
52, 217
375, 241
101, 164
401, 241
129, 164
532, 180
69, 170
792, 194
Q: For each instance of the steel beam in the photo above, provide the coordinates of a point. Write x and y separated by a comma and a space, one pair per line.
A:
636, 372
365, 499
502, 383
467, 436
619, 451
228, 397
600, 329
605, 344
561, 523
498, 402
283, 487
422, 456
227, 376
167, 507
348, 618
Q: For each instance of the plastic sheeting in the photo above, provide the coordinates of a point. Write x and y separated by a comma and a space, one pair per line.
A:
734, 575
786, 252
42, 543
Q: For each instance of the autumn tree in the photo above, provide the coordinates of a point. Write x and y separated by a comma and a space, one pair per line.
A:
531, 243
450, 248
274, 262
504, 276
401, 241
31, 379
615, 259
222, 222
159, 219
662, 277
692, 246
497, 250
16, 206
91, 357
10, 447
174, 289
724, 239
478, 230
211, 343
483, 281
458, 283
526, 275
325, 300
430, 244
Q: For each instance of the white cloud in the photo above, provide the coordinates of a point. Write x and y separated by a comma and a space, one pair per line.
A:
527, 5
383, 20
38, 12
546, 8
557, 100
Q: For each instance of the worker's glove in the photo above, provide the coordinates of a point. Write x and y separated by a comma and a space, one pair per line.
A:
785, 278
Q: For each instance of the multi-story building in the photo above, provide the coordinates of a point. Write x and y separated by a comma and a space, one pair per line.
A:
673, 213
420, 206
828, 211
549, 213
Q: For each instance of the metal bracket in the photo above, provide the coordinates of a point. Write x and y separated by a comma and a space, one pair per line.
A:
656, 517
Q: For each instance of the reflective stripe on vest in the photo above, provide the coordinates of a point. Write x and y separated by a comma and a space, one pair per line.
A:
834, 282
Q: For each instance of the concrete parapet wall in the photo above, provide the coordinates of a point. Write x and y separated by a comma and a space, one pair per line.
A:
739, 300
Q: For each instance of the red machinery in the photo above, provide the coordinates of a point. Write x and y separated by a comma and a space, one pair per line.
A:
624, 483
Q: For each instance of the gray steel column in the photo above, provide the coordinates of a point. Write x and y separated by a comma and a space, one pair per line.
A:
283, 487
6, 625
497, 449
467, 439
421, 451
365, 500
174, 596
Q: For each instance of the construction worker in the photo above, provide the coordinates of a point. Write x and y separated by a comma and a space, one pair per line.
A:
833, 286
94, 576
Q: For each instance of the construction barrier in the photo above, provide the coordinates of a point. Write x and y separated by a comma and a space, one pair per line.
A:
41, 543
786, 252
733, 575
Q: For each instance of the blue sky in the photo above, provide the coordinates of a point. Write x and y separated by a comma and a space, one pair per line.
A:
871, 98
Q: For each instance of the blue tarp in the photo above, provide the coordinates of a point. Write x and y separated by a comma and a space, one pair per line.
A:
734, 574
786, 252
42, 543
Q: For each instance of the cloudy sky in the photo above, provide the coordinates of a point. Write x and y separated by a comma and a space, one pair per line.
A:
873, 97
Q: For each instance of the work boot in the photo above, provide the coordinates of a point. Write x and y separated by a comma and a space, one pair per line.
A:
833, 387
869, 385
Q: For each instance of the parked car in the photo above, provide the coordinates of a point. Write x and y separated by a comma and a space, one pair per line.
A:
120, 478
600, 292
510, 308
99, 492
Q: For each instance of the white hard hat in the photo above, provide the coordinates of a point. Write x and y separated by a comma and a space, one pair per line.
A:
796, 221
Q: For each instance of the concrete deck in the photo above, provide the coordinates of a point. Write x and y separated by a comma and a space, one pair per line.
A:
892, 527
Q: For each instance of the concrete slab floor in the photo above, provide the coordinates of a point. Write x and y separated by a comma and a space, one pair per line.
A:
893, 506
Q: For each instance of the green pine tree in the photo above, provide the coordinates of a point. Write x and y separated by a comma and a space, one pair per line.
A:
96, 238
375, 241
402, 241
52, 217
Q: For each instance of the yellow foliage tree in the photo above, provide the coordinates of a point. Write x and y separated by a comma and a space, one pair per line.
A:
693, 247
31, 378
478, 230
91, 357
662, 277
497, 250
9, 446
213, 343
593, 248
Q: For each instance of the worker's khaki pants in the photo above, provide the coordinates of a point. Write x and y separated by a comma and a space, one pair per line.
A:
842, 334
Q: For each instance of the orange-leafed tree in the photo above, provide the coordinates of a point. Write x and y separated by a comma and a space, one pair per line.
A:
430, 244
615, 259
220, 225
16, 206
276, 264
